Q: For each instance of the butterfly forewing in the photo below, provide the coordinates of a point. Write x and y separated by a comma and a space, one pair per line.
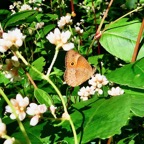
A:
78, 70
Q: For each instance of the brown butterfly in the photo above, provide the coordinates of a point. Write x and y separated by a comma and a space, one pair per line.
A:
78, 70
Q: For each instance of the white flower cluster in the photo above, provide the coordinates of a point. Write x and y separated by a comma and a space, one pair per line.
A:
84, 6
20, 105
64, 20
85, 92
115, 91
11, 38
60, 39
25, 7
78, 30
77, 27
97, 81
19, 6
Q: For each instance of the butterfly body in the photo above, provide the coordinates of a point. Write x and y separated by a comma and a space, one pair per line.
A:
78, 70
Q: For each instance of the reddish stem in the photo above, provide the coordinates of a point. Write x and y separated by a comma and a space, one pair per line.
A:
136, 49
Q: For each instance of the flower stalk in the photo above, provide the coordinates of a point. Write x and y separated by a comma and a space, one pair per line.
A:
45, 77
54, 59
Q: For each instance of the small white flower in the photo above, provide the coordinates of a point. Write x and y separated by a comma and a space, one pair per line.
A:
60, 39
4, 45
64, 20
9, 141
11, 7
98, 81
25, 7
100, 91
66, 116
20, 105
115, 91
36, 111
2, 128
39, 25
79, 30
52, 109
40, 9
85, 92
15, 61
78, 24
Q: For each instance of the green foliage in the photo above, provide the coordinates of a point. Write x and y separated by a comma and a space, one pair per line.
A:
43, 97
3, 79
132, 75
39, 63
100, 118
120, 39
20, 18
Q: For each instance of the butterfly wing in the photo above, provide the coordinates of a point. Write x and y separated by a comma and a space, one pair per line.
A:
78, 70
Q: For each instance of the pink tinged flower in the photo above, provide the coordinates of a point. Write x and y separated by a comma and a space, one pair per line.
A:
98, 81
85, 92
64, 20
60, 39
34, 120
68, 46
2, 129
20, 105
36, 111
4, 45
52, 110
115, 91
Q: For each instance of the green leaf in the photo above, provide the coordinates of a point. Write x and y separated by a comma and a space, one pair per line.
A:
3, 79
131, 75
120, 39
3, 12
95, 59
43, 97
141, 1
100, 118
19, 18
38, 64
34, 133
52, 16
138, 105
46, 30
131, 4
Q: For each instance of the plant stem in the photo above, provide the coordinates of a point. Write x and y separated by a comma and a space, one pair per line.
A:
122, 17
105, 15
57, 90
13, 110
138, 42
45, 77
53, 61
74, 131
